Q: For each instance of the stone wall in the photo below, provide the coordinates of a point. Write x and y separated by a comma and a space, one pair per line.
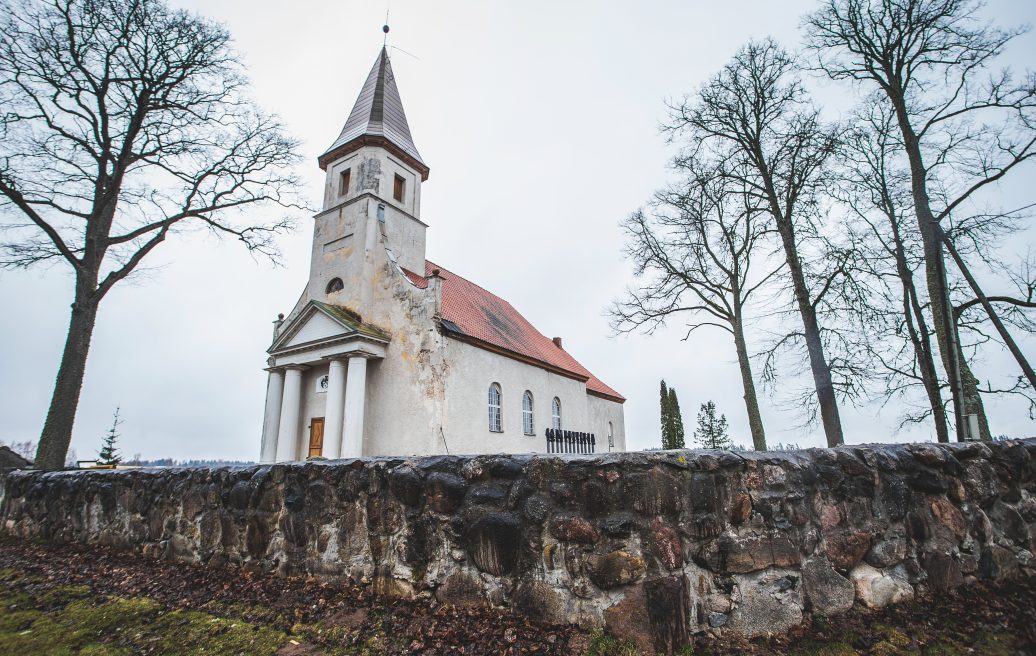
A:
657, 546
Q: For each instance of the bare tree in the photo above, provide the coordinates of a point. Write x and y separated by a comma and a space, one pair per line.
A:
962, 128
755, 115
876, 186
124, 122
694, 255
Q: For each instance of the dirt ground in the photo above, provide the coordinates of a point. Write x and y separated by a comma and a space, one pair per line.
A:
59, 599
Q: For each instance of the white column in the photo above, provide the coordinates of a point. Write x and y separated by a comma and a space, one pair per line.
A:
272, 418
333, 410
355, 397
288, 433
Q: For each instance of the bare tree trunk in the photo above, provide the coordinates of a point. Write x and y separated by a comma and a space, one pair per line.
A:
755, 418
925, 360
814, 346
57, 430
935, 279
919, 337
1019, 357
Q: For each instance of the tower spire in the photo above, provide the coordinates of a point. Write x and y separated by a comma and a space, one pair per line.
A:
377, 118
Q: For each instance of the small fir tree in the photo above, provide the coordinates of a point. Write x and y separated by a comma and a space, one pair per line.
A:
109, 454
676, 436
712, 431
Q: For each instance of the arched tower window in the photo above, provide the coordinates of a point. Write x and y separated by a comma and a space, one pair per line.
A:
335, 285
495, 415
611, 435
555, 414
527, 419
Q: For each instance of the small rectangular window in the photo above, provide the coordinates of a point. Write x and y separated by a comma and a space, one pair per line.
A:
398, 188
343, 182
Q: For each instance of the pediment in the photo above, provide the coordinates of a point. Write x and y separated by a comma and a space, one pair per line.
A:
319, 323
316, 327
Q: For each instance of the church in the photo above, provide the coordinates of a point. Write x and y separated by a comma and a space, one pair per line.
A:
389, 354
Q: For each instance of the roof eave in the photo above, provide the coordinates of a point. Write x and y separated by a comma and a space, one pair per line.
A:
514, 355
373, 140
606, 396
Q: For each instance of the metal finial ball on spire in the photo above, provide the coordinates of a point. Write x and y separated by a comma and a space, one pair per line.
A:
385, 29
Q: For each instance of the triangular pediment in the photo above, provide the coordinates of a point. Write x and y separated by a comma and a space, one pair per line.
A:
319, 323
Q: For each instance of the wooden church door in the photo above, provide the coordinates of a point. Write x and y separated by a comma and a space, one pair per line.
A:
316, 437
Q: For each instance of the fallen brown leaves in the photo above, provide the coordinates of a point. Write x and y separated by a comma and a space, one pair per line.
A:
343, 614
304, 606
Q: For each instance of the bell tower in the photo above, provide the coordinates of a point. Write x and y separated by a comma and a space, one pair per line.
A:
372, 196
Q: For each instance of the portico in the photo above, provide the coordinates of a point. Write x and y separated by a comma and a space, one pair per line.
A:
322, 337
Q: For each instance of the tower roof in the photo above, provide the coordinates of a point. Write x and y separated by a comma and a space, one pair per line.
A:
377, 118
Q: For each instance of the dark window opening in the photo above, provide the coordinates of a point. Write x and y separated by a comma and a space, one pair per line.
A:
398, 188
336, 285
343, 182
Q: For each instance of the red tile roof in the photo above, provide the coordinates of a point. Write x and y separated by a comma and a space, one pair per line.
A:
485, 319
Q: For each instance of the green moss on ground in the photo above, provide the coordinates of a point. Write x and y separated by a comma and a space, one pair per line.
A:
605, 644
59, 620
988, 644
817, 648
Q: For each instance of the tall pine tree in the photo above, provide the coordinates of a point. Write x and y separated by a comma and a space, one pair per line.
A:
676, 436
711, 432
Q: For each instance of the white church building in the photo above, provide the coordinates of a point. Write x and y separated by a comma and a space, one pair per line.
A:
387, 353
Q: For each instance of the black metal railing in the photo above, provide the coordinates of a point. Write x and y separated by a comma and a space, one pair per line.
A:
564, 441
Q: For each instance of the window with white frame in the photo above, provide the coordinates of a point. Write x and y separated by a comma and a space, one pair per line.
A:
527, 422
611, 436
495, 416
555, 414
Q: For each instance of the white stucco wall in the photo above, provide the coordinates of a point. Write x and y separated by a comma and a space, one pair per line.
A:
602, 411
473, 370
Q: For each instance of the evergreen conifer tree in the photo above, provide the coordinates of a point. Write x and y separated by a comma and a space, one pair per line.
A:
666, 418
109, 454
676, 420
711, 432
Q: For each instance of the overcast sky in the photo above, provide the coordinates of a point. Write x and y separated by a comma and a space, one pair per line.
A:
539, 120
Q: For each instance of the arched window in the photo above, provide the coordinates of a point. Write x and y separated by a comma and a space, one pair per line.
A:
495, 418
611, 436
336, 285
527, 422
555, 414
